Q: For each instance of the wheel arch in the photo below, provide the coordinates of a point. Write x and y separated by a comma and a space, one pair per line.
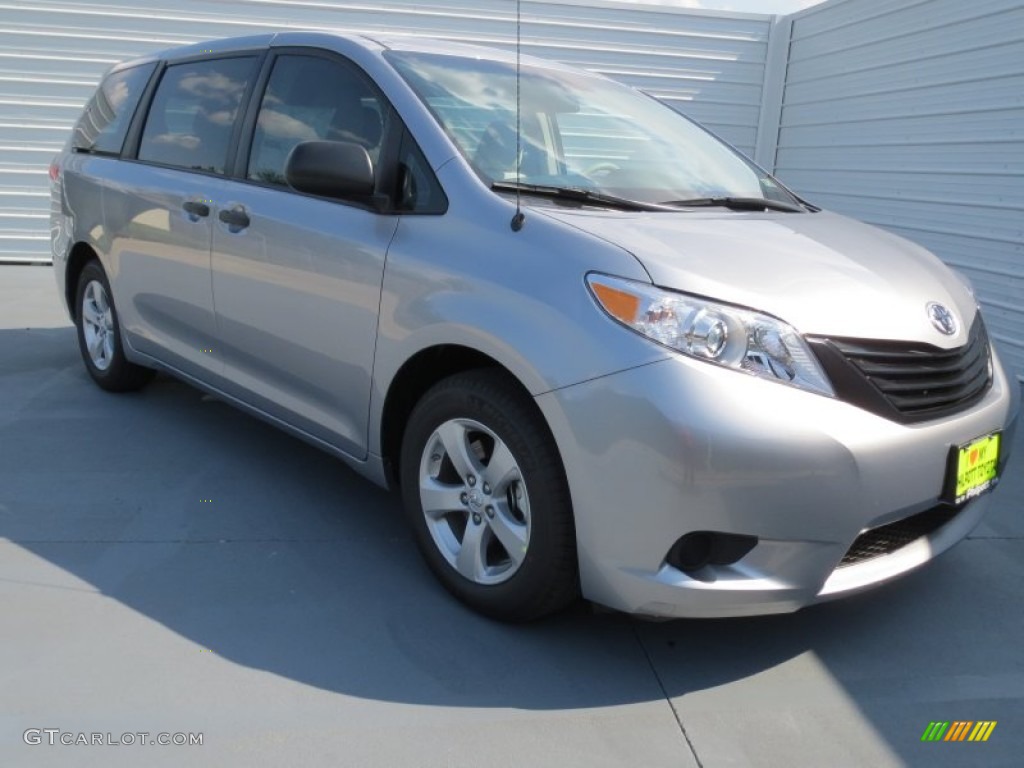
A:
81, 254
414, 378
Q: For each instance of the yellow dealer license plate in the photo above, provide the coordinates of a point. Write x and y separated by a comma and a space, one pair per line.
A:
973, 468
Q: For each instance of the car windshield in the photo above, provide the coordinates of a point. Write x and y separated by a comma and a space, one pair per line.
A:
578, 131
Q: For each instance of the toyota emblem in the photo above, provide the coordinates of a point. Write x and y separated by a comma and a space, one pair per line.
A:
943, 319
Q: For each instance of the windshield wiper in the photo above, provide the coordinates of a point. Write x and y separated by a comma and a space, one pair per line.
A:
738, 204
579, 195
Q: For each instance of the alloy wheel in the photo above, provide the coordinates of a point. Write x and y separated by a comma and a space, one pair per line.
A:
98, 325
474, 501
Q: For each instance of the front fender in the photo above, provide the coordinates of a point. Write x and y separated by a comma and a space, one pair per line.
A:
467, 279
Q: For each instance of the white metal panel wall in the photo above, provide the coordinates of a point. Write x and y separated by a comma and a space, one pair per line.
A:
910, 114
52, 53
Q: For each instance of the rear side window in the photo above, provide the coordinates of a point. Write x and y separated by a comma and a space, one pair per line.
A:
104, 123
193, 114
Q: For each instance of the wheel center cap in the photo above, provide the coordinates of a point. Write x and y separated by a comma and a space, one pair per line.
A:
475, 499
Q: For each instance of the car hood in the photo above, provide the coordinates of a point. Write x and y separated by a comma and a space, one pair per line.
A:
823, 273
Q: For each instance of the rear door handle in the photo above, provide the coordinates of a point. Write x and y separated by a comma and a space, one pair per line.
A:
236, 218
196, 208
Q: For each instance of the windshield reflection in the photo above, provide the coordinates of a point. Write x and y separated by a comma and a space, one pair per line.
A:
577, 130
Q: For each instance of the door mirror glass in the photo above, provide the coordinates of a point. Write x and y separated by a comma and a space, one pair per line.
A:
339, 169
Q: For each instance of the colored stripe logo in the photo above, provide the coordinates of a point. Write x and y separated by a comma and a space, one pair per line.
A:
958, 730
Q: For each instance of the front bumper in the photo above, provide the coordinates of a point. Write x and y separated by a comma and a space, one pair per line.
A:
678, 446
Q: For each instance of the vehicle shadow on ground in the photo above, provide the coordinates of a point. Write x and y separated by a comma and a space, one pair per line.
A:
276, 556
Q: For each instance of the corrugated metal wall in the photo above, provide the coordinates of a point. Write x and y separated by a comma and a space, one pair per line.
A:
52, 53
910, 115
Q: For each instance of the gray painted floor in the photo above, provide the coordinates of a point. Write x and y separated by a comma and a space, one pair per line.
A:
290, 621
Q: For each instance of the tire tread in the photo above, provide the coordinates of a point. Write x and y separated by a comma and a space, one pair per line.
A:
122, 375
493, 389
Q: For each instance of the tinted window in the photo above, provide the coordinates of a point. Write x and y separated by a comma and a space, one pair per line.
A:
310, 98
418, 188
104, 123
577, 130
193, 113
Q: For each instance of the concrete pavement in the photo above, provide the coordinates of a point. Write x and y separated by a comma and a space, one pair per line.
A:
168, 564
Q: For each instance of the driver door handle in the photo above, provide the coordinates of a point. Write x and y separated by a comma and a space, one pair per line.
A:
196, 208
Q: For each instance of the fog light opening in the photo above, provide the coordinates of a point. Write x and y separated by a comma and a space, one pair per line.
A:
699, 549
692, 552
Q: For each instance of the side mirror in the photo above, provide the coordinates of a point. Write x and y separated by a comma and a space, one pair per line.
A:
337, 169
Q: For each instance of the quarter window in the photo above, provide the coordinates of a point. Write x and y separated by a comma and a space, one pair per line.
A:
104, 123
310, 98
418, 188
193, 114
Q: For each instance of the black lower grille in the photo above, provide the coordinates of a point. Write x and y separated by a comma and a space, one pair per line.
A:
888, 538
908, 381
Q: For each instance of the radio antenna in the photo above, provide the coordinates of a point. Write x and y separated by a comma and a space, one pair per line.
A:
519, 218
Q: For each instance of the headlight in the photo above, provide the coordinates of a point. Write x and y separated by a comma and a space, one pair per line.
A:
717, 333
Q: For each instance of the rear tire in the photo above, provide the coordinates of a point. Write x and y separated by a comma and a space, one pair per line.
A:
99, 334
486, 495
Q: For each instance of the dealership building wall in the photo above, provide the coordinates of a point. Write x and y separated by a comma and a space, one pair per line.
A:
908, 114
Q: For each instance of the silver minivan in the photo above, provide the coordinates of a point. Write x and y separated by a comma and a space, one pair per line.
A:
599, 351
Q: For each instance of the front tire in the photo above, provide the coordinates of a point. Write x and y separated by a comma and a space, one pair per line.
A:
486, 495
99, 334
